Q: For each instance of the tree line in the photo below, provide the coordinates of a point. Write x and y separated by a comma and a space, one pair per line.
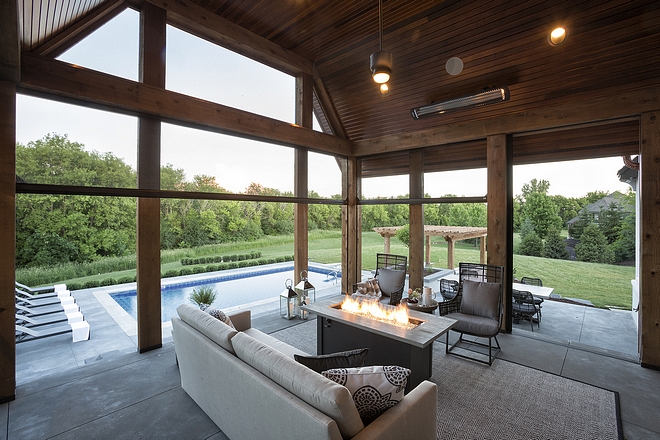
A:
53, 229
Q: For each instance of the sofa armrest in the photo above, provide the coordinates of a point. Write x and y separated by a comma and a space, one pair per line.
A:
414, 417
242, 319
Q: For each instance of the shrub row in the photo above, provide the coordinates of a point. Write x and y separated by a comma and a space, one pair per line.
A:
220, 259
180, 272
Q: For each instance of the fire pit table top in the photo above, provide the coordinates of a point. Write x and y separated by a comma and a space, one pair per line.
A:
429, 328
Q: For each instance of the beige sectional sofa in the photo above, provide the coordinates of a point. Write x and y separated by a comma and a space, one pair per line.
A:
248, 383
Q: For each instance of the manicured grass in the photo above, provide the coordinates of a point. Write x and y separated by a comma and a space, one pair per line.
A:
603, 284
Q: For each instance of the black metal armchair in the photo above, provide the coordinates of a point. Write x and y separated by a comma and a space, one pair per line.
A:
524, 307
448, 289
534, 282
391, 275
477, 307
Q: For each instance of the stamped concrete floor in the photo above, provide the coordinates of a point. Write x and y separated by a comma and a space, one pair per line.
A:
102, 388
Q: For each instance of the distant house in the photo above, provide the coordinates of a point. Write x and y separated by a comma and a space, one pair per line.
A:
596, 207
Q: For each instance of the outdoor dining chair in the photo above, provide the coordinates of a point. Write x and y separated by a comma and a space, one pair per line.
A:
523, 307
534, 282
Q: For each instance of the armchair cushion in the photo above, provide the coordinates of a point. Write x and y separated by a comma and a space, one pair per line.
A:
391, 280
481, 299
475, 325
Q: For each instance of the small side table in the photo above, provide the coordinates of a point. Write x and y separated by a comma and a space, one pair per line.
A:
423, 308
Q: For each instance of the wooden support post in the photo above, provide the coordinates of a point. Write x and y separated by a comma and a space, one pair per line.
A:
649, 282
416, 246
450, 254
499, 157
482, 250
351, 225
304, 111
152, 72
9, 75
7, 240
386, 247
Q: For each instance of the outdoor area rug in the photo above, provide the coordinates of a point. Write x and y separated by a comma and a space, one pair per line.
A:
505, 400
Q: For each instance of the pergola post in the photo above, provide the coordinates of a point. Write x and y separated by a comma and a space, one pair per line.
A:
300, 214
386, 246
351, 225
482, 250
649, 285
499, 157
416, 245
450, 253
152, 72
428, 250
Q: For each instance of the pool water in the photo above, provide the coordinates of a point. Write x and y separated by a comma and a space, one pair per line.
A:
233, 290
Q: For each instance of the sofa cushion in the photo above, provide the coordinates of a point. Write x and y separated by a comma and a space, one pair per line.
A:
212, 328
480, 299
330, 398
375, 389
344, 359
278, 345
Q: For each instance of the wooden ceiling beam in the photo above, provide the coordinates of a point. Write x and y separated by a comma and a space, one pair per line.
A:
328, 108
203, 23
609, 107
72, 35
72, 83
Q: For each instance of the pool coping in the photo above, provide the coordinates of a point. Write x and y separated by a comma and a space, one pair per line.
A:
129, 325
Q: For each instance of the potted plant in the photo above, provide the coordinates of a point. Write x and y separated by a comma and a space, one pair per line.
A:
414, 295
203, 296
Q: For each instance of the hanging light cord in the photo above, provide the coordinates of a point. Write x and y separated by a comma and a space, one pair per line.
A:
380, 22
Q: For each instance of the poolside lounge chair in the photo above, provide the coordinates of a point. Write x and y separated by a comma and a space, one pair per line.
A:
52, 318
63, 300
42, 291
79, 331
46, 310
42, 296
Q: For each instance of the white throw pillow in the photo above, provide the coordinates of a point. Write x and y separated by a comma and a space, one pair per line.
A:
375, 389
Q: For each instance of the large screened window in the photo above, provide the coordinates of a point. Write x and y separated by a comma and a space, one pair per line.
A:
204, 70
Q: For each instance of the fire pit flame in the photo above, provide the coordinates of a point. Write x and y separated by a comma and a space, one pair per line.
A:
373, 309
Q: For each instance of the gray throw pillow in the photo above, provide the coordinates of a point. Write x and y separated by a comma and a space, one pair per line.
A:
344, 359
390, 280
480, 299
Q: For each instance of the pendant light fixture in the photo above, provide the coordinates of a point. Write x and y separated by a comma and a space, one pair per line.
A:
380, 62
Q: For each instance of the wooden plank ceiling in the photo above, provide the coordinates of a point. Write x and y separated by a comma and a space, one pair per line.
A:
611, 49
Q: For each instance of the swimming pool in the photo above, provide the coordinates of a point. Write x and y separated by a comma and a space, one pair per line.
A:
233, 289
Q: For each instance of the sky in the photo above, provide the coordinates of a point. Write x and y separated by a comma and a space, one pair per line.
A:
206, 71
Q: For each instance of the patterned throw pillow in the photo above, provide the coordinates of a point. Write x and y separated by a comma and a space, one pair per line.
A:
218, 314
374, 389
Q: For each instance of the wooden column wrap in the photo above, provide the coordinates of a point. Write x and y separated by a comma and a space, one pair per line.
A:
500, 213
416, 246
7, 240
649, 283
304, 113
151, 72
351, 261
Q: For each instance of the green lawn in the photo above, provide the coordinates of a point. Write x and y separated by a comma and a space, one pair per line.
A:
603, 284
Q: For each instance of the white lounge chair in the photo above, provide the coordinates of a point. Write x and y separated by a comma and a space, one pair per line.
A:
79, 331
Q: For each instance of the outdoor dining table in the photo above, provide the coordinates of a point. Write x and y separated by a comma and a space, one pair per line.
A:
536, 291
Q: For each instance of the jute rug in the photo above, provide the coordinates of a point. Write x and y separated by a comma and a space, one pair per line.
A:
505, 400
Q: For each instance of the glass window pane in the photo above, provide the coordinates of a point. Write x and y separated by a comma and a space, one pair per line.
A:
204, 70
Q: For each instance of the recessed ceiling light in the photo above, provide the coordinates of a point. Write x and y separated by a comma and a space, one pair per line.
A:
454, 66
557, 36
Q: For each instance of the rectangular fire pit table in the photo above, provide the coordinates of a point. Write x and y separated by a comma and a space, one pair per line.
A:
389, 344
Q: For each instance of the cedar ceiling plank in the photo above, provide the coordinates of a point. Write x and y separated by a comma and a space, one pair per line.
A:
73, 34
610, 107
66, 81
204, 24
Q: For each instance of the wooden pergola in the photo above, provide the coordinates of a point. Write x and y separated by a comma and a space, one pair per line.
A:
451, 234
